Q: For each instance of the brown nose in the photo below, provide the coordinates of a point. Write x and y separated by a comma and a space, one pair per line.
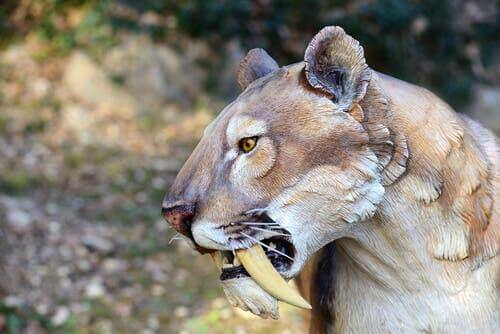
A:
180, 217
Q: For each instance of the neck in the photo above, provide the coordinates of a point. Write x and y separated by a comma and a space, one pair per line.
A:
389, 270
424, 250
425, 217
395, 251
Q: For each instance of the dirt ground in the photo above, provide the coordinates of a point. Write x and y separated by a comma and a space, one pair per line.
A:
86, 157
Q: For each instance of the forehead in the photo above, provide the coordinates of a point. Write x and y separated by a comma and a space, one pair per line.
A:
271, 94
280, 100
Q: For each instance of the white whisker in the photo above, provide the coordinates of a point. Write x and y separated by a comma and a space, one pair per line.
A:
265, 230
176, 236
266, 246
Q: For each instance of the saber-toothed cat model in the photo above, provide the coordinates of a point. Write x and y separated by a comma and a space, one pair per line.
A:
372, 191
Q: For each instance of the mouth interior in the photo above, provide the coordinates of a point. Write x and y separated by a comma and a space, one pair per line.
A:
232, 268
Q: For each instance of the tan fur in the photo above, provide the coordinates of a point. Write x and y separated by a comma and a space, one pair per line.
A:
406, 187
443, 208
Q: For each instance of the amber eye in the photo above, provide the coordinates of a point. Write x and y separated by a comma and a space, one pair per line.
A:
247, 144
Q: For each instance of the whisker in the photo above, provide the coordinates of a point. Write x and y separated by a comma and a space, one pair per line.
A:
257, 224
256, 211
176, 236
266, 230
266, 246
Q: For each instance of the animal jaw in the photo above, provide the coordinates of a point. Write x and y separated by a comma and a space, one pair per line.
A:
336, 152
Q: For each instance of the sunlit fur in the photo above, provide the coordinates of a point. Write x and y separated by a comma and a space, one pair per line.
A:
406, 187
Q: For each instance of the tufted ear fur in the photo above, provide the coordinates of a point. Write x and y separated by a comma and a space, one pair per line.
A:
257, 63
335, 64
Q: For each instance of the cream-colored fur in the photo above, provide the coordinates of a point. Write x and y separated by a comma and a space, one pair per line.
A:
407, 189
411, 268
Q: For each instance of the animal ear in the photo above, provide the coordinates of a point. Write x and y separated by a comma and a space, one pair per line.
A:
257, 63
335, 64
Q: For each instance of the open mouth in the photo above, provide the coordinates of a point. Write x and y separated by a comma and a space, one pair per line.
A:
263, 262
276, 247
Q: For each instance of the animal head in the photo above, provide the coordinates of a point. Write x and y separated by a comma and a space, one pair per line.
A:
292, 164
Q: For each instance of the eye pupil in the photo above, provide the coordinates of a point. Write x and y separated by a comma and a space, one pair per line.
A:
248, 144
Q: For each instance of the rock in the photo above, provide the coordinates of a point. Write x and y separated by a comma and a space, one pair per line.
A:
123, 309
153, 322
159, 183
156, 271
97, 243
63, 271
19, 220
40, 87
154, 73
181, 312
157, 290
13, 301
79, 122
61, 316
83, 265
113, 266
65, 252
95, 289
42, 308
104, 327
141, 197
52, 208
78, 308
54, 227
89, 83
17, 56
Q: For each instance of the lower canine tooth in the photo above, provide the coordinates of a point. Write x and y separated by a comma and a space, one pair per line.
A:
257, 264
236, 262
217, 257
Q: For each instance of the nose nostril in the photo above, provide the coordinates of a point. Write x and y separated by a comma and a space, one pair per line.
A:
180, 217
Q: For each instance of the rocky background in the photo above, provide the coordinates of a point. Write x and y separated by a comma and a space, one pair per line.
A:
102, 101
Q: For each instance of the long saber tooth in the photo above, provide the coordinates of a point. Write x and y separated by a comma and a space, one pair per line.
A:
257, 264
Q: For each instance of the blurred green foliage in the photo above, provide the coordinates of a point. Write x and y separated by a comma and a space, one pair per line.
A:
57, 22
16, 319
432, 43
